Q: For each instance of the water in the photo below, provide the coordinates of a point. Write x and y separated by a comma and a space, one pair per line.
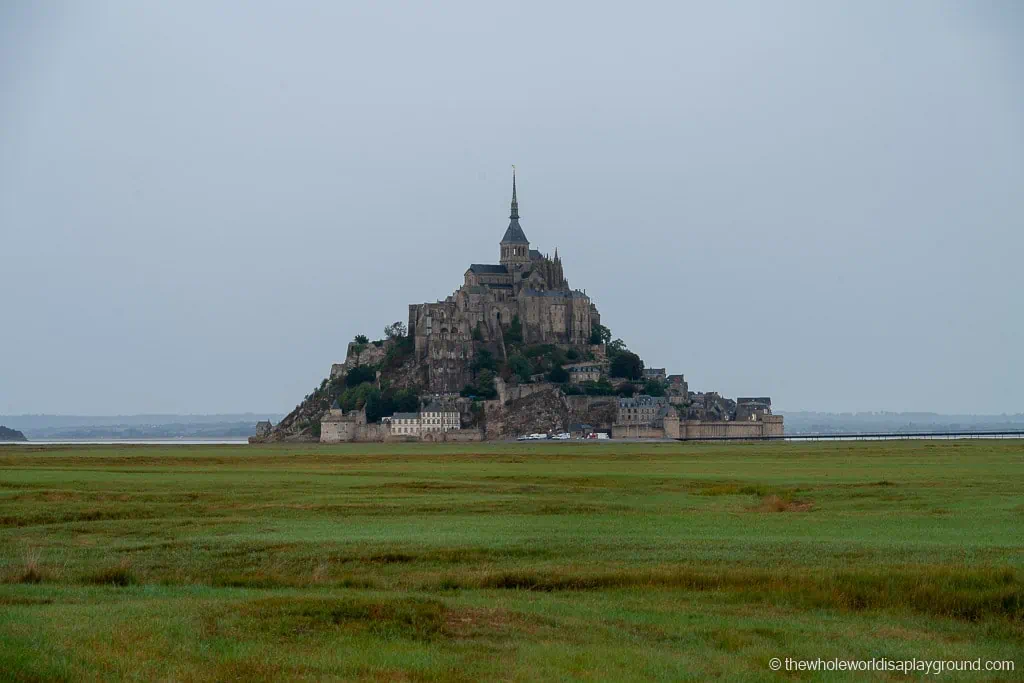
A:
126, 442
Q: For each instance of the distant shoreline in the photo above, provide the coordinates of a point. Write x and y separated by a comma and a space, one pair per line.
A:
127, 442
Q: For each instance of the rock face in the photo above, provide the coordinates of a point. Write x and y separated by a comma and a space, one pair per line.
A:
541, 411
7, 434
545, 408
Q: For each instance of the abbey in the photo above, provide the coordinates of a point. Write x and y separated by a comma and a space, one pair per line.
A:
524, 291
515, 350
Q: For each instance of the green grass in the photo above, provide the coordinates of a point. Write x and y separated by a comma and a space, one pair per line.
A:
506, 561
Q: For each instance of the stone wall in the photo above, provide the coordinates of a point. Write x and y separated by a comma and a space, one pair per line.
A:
749, 429
674, 428
508, 392
455, 436
637, 432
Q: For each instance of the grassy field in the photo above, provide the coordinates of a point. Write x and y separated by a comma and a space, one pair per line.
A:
513, 562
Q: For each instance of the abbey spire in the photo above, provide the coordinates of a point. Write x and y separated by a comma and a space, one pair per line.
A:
515, 248
515, 203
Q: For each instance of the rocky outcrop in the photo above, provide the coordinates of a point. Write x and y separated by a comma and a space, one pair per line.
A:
300, 425
599, 411
544, 410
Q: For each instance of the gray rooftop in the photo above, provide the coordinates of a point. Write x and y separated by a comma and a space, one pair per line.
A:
514, 234
642, 400
488, 269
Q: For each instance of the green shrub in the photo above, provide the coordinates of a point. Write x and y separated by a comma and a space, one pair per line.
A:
626, 389
360, 374
601, 387
482, 387
653, 387
520, 367
514, 333
558, 374
626, 364
400, 349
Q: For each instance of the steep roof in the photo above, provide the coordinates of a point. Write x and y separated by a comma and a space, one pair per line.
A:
514, 234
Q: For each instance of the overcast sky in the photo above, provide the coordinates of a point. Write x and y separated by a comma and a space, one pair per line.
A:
202, 202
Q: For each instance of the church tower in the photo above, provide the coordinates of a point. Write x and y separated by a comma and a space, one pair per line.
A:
515, 248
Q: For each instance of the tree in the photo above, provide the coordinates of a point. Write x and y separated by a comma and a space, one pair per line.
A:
406, 401
601, 387
626, 389
653, 387
599, 334
360, 374
398, 351
558, 375
616, 347
520, 366
375, 405
514, 334
396, 330
484, 361
355, 398
626, 364
483, 387
361, 343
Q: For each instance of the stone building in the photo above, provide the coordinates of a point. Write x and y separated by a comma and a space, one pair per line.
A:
585, 372
753, 408
436, 422
337, 426
405, 424
437, 417
678, 390
524, 285
657, 374
640, 410
432, 419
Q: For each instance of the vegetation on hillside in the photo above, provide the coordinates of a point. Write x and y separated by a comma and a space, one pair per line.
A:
526, 363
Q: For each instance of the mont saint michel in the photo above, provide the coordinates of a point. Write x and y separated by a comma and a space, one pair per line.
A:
515, 350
